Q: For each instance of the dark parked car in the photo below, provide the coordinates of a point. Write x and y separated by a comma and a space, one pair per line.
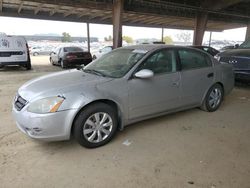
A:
70, 56
207, 49
240, 59
227, 48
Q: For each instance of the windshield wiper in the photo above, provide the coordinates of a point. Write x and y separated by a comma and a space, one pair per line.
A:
92, 71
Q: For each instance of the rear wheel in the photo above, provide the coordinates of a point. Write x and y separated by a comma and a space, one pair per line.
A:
28, 64
35, 54
96, 125
213, 98
62, 64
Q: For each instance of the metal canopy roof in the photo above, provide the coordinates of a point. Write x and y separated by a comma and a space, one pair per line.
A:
223, 14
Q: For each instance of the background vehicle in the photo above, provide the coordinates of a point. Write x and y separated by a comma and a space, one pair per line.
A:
207, 49
240, 59
226, 48
103, 51
35, 51
125, 86
14, 51
70, 56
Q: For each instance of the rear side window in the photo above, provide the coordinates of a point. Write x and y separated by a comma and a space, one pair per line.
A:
192, 59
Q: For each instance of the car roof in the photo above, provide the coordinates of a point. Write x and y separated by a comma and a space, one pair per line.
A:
151, 47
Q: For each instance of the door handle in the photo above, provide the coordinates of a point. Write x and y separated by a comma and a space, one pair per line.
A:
176, 84
210, 75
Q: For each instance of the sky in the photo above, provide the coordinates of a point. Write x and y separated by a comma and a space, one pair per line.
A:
21, 26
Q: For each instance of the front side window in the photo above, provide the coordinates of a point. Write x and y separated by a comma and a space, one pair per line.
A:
192, 60
163, 61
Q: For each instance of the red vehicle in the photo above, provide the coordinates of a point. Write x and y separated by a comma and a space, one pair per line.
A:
70, 56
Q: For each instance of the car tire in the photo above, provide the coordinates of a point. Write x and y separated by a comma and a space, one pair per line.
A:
35, 54
62, 64
213, 99
28, 64
51, 61
96, 125
94, 57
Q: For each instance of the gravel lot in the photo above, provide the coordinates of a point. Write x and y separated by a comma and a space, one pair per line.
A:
186, 149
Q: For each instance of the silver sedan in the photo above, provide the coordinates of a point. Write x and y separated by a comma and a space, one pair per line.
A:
122, 87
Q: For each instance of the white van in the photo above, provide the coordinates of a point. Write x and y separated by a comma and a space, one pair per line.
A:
14, 51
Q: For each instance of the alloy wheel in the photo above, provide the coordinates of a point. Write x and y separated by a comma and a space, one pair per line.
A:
214, 98
98, 127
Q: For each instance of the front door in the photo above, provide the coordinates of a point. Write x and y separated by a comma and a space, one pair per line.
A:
159, 93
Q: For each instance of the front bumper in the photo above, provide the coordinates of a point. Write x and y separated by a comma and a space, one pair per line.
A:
48, 127
21, 63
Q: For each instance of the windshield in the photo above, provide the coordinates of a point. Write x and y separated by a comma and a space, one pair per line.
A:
116, 63
72, 49
245, 44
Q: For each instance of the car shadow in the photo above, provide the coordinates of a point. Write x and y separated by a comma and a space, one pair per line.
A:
242, 85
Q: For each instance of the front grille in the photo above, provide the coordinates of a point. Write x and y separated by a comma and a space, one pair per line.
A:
8, 54
20, 103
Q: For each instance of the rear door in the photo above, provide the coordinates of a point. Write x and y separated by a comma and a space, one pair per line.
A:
197, 75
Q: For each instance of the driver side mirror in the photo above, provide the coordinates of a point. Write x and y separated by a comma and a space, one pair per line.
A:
144, 73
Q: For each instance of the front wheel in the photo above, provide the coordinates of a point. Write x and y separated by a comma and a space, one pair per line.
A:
213, 98
51, 61
96, 125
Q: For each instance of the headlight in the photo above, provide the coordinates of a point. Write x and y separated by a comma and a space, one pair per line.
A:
46, 105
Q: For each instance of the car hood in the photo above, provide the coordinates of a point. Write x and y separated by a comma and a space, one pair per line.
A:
236, 52
60, 83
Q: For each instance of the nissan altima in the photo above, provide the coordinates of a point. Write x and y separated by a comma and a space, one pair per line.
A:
127, 85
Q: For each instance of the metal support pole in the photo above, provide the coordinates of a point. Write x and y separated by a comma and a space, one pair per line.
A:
117, 22
88, 38
162, 34
200, 27
248, 32
210, 37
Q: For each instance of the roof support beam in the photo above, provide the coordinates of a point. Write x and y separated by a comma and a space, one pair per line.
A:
38, 8
219, 4
200, 27
117, 23
52, 12
20, 8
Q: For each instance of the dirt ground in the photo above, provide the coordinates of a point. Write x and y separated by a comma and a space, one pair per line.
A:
186, 149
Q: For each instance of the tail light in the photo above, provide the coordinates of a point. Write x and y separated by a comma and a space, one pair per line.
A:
71, 56
88, 55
